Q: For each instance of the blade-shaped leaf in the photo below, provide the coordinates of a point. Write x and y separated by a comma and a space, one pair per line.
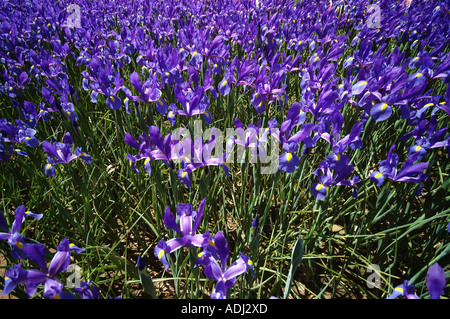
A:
296, 258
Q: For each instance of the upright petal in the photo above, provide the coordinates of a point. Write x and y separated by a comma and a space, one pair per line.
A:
170, 222
435, 281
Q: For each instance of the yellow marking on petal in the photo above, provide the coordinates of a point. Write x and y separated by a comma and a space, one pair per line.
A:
418, 148
428, 104
338, 156
193, 54
224, 82
112, 98
161, 253
399, 289
289, 156
225, 163
318, 187
47, 167
317, 58
171, 114
27, 137
211, 243
146, 160
183, 174
415, 58
384, 106
362, 83
159, 101
418, 74
19, 244
250, 262
378, 175
56, 296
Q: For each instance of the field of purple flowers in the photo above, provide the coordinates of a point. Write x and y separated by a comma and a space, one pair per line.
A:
224, 149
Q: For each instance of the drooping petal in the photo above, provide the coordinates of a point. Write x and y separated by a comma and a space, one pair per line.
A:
381, 111
377, 178
170, 222
359, 87
224, 87
288, 162
183, 176
160, 253
161, 106
239, 267
319, 191
113, 102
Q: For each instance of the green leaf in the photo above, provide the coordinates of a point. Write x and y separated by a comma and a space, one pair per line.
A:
296, 258
147, 283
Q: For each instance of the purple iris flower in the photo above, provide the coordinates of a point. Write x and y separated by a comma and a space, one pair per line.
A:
337, 159
101, 75
433, 138
32, 278
243, 69
268, 88
198, 154
148, 92
289, 161
193, 102
252, 137
404, 290
21, 247
61, 153
435, 281
17, 133
410, 172
87, 290
152, 147
185, 224
328, 178
224, 276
